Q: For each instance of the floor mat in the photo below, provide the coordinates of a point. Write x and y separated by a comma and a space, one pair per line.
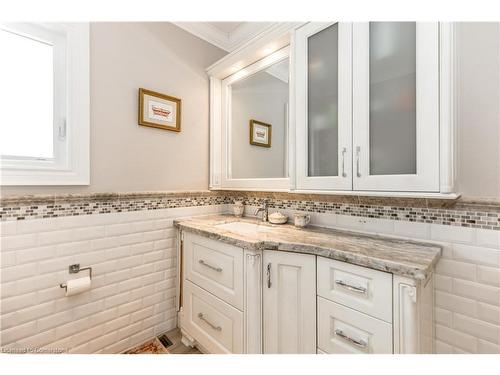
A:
154, 346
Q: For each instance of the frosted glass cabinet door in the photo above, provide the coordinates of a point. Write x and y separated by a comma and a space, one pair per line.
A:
395, 106
323, 101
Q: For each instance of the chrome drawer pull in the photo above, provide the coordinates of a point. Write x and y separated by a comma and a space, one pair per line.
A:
344, 150
360, 343
357, 289
213, 326
358, 150
268, 273
217, 269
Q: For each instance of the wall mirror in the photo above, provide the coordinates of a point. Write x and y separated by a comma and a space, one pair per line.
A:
256, 124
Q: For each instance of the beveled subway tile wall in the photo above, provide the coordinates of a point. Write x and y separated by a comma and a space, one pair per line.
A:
467, 277
133, 296
462, 212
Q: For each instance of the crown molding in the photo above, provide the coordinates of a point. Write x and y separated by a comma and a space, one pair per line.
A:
226, 41
245, 32
271, 39
279, 71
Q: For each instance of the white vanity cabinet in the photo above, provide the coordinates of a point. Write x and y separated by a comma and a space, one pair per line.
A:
289, 302
342, 330
220, 296
216, 267
354, 309
365, 311
235, 300
215, 325
363, 289
212, 294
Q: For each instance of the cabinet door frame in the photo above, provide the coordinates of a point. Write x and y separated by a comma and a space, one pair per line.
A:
303, 180
427, 176
272, 309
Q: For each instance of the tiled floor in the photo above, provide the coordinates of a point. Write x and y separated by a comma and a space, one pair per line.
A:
156, 347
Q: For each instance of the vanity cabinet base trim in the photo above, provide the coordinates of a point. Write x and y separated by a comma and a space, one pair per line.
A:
413, 316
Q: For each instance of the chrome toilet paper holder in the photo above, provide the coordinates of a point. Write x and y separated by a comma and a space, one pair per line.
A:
75, 268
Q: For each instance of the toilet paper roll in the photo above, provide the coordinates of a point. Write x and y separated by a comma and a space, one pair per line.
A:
77, 286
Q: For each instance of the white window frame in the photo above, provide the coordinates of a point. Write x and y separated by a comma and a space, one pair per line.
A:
70, 165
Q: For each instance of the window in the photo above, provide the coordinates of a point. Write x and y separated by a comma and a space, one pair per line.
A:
44, 129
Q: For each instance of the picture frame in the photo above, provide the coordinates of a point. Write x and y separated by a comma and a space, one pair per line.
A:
260, 133
157, 110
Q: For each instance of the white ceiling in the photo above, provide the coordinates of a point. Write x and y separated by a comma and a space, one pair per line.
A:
280, 70
226, 27
225, 35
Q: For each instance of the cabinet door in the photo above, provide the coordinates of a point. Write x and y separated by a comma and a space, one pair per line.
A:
323, 106
289, 302
396, 106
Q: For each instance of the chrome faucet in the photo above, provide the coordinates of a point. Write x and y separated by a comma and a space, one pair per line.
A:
264, 209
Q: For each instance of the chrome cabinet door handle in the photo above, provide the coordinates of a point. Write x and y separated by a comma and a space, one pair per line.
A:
203, 263
213, 326
361, 343
268, 273
358, 151
353, 288
344, 150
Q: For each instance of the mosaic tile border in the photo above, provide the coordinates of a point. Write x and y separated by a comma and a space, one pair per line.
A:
38, 207
484, 214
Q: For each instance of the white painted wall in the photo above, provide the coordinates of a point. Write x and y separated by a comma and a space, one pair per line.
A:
132, 299
479, 109
128, 157
162, 57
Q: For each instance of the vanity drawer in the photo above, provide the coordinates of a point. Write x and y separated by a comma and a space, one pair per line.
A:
216, 267
360, 288
342, 330
214, 324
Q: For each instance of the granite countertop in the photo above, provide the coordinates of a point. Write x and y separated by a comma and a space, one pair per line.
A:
401, 257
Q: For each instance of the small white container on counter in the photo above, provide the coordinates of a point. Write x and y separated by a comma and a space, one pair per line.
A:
301, 220
238, 208
277, 218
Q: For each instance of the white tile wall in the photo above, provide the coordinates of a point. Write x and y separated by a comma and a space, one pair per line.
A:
133, 288
133, 292
467, 278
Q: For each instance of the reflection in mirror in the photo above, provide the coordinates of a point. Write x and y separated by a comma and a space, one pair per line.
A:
259, 122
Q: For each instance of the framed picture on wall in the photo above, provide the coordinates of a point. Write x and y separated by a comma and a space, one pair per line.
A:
260, 133
159, 110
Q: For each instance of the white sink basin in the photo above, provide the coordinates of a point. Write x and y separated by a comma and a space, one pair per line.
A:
242, 227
